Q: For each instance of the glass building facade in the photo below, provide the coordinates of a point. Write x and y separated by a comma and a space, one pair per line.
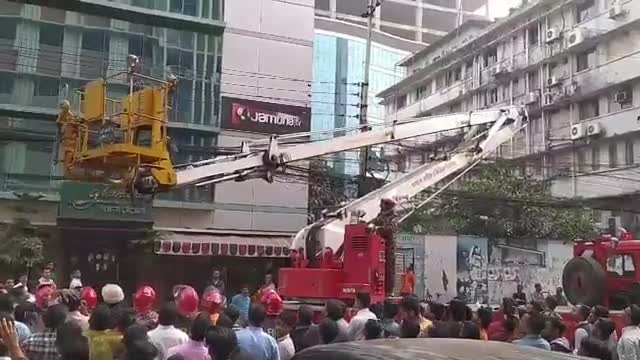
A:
47, 52
338, 71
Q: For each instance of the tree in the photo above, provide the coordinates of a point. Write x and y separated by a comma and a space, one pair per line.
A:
21, 244
497, 204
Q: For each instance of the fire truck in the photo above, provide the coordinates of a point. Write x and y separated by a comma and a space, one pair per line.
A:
124, 141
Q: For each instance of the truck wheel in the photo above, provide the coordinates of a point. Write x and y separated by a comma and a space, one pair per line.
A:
583, 280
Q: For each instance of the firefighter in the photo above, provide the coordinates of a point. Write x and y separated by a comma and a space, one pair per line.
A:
143, 301
88, 300
386, 225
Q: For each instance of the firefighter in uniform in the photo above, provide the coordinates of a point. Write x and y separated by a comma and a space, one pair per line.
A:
386, 224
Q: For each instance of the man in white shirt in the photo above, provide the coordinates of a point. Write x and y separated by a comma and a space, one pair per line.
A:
629, 344
284, 324
166, 336
356, 326
583, 328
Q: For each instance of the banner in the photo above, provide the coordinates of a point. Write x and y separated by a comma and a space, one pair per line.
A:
261, 117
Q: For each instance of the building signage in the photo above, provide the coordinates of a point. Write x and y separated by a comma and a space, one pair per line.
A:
101, 202
262, 117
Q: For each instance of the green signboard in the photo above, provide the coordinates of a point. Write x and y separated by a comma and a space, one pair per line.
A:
102, 202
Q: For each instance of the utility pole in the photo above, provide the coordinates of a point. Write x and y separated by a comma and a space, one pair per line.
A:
364, 93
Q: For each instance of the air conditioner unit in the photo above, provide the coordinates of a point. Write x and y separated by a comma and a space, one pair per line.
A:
552, 35
616, 11
532, 98
575, 37
577, 131
553, 81
622, 97
593, 129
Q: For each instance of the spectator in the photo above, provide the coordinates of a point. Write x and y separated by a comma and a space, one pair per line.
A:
76, 280
376, 309
328, 330
225, 321
298, 335
356, 326
537, 294
554, 334
112, 295
46, 277
141, 350
222, 343
335, 311
457, 326
72, 300
561, 299
408, 282
583, 328
166, 335
535, 326
124, 317
410, 309
604, 329
519, 296
195, 348
233, 313
268, 284
42, 345
7, 305
597, 349
535, 307
629, 344
27, 313
216, 282
598, 313
551, 302
284, 324
253, 341
390, 328
242, 301
485, 315
437, 310
372, 329
410, 329
104, 343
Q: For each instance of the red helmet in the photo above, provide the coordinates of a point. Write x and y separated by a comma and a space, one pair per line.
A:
272, 302
187, 301
144, 298
44, 295
89, 296
212, 297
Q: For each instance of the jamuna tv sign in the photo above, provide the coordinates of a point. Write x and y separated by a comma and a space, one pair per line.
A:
261, 117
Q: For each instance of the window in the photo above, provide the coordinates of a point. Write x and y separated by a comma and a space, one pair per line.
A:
628, 152
588, 109
584, 10
439, 82
516, 87
6, 83
533, 35
490, 57
493, 96
51, 34
534, 80
457, 76
96, 40
187, 7
613, 155
621, 99
582, 160
595, 158
8, 28
621, 264
586, 59
46, 87
421, 91
401, 101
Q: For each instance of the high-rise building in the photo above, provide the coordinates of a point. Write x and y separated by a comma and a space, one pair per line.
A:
573, 65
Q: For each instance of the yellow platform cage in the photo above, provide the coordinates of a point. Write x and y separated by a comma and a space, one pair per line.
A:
119, 140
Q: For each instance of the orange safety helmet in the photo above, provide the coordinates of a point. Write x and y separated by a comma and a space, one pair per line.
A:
187, 301
89, 296
44, 295
272, 302
144, 298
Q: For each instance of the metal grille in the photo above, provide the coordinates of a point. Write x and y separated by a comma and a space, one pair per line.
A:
360, 243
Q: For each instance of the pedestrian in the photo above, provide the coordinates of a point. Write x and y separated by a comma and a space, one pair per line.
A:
410, 309
372, 330
27, 314
166, 335
408, 282
562, 300
284, 325
141, 350
410, 329
233, 314
299, 335
71, 343
328, 331
8, 306
242, 301
485, 317
143, 301
604, 329
629, 343
535, 327
9, 283
42, 345
519, 296
356, 326
535, 307
583, 329
597, 349
457, 326
267, 285
390, 328
112, 295
537, 294
71, 299
195, 348
551, 303
335, 311
599, 313
216, 282
104, 342
223, 344
76, 280
253, 341
554, 334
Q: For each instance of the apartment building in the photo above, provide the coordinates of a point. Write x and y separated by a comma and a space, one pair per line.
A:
574, 65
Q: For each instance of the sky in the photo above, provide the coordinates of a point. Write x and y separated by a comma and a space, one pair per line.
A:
500, 8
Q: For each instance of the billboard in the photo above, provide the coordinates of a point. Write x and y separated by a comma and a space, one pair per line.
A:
262, 117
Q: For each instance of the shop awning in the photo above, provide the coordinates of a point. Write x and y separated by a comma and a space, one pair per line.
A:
223, 245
